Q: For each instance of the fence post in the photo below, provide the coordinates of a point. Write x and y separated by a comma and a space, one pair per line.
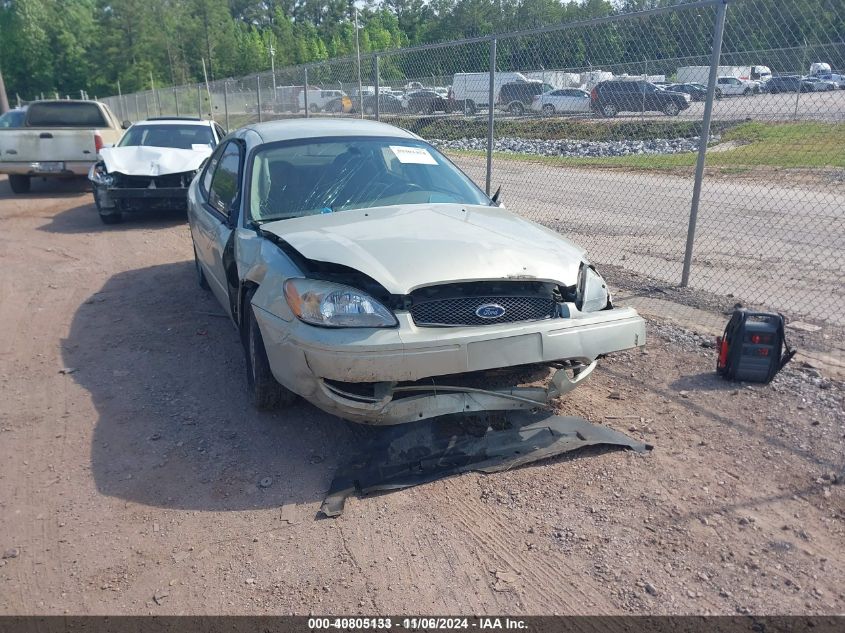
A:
719, 30
491, 98
258, 96
176, 99
377, 87
147, 103
199, 101
305, 94
226, 103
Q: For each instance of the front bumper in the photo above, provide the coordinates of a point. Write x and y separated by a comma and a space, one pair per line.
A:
147, 193
302, 356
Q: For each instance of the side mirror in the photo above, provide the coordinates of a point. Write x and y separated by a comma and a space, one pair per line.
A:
125, 125
496, 195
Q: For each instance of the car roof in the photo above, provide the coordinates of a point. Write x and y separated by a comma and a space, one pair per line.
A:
292, 129
174, 121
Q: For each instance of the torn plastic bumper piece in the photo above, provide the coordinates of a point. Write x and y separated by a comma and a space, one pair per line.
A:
420, 452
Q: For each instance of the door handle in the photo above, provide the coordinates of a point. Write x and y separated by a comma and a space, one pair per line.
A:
45, 135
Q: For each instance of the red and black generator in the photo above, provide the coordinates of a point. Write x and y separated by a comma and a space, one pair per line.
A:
753, 347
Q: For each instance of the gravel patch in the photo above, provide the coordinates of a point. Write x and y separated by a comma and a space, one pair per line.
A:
575, 148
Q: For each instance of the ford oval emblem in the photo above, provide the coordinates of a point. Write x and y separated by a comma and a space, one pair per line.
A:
489, 311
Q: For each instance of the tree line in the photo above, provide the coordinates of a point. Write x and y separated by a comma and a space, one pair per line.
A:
65, 46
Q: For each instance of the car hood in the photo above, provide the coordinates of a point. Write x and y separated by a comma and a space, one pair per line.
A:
142, 160
408, 247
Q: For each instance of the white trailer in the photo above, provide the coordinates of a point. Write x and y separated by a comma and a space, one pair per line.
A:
472, 90
556, 78
819, 68
700, 74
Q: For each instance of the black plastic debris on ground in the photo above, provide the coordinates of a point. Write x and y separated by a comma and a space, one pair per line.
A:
411, 454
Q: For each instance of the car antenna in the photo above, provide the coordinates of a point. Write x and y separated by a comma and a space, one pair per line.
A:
495, 197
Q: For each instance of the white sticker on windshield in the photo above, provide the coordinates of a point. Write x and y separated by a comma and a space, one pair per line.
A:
413, 155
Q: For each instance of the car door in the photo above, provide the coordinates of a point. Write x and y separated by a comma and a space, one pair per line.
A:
215, 221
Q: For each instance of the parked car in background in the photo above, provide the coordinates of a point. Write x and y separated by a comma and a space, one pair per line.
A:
471, 91
516, 97
696, 91
836, 78
819, 85
424, 102
318, 98
562, 101
787, 83
339, 105
370, 276
386, 104
58, 139
612, 97
152, 165
726, 86
13, 118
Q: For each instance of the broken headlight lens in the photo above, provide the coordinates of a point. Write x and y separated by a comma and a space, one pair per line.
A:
593, 294
333, 305
98, 175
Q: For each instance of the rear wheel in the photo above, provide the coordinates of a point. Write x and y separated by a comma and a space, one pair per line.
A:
369, 110
469, 106
671, 109
718, 93
19, 184
314, 108
517, 109
265, 391
746, 92
609, 110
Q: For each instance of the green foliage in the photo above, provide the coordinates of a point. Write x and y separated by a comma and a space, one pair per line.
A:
72, 45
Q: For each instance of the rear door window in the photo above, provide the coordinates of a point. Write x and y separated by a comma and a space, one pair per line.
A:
224, 182
65, 114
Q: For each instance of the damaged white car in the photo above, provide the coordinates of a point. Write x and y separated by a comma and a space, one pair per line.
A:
369, 275
151, 166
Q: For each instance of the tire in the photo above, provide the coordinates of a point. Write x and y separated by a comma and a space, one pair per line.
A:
746, 92
264, 391
719, 94
202, 282
671, 109
548, 109
609, 111
314, 108
107, 216
517, 109
469, 107
369, 110
19, 184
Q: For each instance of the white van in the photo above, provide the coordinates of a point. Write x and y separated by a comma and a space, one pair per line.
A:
317, 99
471, 91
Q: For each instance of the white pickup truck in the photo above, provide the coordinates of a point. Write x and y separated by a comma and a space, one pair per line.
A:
58, 139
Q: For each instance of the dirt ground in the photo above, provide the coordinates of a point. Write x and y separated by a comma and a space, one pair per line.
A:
130, 461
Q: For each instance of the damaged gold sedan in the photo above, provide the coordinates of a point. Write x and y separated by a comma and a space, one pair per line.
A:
370, 276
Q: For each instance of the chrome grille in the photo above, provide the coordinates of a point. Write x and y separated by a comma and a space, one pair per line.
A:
462, 311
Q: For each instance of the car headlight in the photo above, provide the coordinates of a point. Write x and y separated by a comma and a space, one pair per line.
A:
592, 293
100, 176
334, 305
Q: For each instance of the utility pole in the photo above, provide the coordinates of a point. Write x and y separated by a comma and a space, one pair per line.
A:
4, 100
273, 70
358, 50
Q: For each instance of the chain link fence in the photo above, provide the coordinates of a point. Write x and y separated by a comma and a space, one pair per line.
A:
595, 130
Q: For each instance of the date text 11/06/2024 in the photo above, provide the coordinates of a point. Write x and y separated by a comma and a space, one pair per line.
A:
425, 623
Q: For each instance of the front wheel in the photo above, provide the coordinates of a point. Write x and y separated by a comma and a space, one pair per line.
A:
746, 92
469, 107
517, 109
202, 282
548, 109
266, 393
369, 110
107, 216
19, 184
671, 109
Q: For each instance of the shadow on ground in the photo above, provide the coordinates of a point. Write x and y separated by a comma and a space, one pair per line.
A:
48, 188
84, 219
175, 429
